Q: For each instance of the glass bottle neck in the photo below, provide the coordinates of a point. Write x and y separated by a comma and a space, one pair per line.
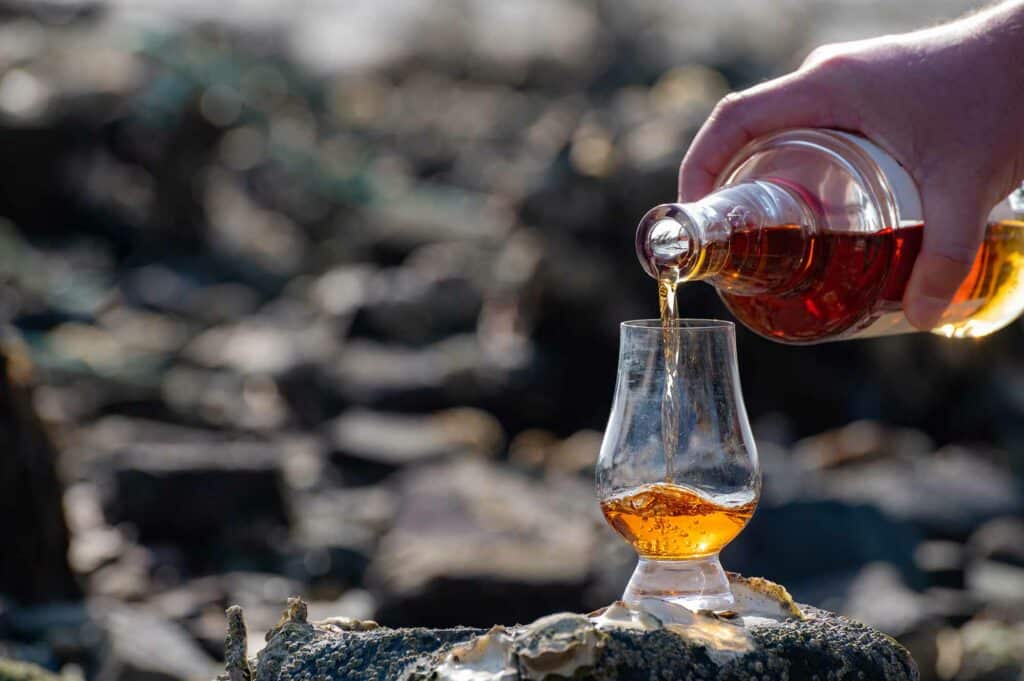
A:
723, 237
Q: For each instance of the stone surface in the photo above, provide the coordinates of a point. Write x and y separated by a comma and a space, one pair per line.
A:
33, 563
337, 531
947, 493
13, 670
856, 536
211, 489
412, 305
369, 445
768, 637
476, 544
1001, 539
141, 645
879, 598
987, 649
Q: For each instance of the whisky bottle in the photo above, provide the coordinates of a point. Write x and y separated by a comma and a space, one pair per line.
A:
811, 235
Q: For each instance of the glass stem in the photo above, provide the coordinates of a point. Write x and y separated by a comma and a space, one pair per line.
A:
697, 584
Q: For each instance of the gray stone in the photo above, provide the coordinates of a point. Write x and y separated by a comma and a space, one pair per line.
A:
411, 305
69, 626
769, 638
996, 582
989, 651
376, 374
337, 531
942, 562
476, 544
225, 398
384, 442
230, 487
855, 535
13, 670
857, 442
33, 563
142, 646
879, 598
1000, 539
265, 343
947, 493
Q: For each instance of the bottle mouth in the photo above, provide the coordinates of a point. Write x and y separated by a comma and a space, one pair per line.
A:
665, 240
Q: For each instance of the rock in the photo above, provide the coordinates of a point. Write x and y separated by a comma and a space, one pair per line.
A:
535, 448
989, 651
112, 433
342, 290
456, 371
241, 229
1001, 539
337, 531
473, 544
396, 377
857, 442
225, 399
996, 582
879, 598
942, 562
129, 578
236, 647
369, 445
784, 543
13, 670
241, 495
768, 637
198, 604
264, 344
58, 632
93, 542
575, 454
947, 494
33, 564
410, 305
165, 289
433, 214
142, 645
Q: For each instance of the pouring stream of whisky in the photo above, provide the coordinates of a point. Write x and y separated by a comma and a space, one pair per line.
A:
670, 343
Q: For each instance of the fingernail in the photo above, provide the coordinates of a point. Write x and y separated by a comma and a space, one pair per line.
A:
925, 312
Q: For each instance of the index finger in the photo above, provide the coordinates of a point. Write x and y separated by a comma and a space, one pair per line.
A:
799, 99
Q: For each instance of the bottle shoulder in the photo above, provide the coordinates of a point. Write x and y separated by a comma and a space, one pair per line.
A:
855, 184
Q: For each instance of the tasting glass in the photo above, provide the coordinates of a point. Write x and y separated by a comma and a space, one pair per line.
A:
713, 454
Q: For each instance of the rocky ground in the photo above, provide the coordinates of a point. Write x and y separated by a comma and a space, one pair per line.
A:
766, 635
325, 303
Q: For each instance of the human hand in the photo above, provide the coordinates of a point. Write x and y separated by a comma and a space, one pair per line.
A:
946, 102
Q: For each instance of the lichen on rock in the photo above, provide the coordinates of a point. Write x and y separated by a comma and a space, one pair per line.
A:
236, 652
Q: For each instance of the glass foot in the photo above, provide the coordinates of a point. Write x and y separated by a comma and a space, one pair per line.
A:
697, 584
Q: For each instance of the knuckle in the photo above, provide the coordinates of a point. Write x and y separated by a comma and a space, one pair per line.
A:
959, 252
728, 106
837, 62
818, 54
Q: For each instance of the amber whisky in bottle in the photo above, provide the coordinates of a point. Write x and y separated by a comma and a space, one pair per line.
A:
811, 236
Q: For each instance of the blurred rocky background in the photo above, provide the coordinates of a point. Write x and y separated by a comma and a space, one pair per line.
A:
322, 298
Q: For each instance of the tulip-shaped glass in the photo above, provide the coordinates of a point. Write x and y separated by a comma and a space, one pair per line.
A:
678, 475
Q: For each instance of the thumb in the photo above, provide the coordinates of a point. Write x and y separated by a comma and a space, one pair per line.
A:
952, 233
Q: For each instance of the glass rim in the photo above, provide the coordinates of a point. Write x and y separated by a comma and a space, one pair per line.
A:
684, 324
